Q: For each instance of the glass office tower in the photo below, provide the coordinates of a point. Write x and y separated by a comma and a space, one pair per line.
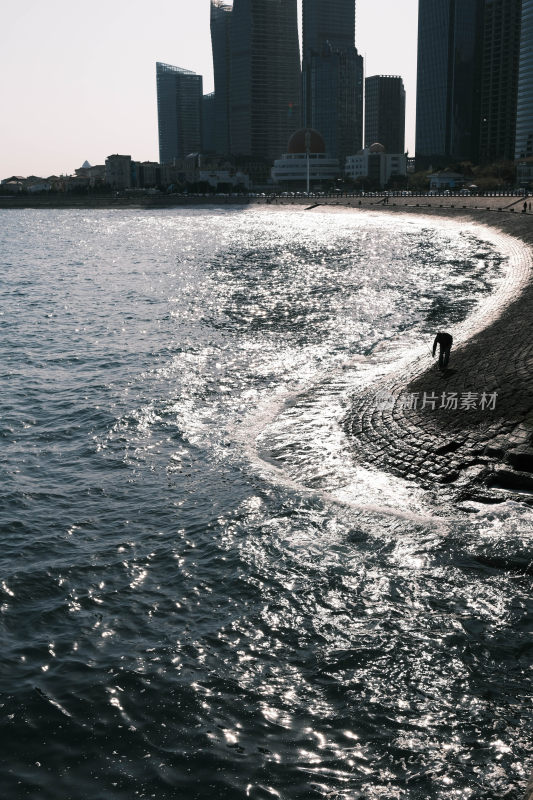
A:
385, 112
450, 35
221, 16
499, 82
265, 84
209, 123
332, 78
327, 21
179, 111
335, 99
524, 114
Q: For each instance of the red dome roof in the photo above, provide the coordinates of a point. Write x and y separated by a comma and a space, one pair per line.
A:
305, 137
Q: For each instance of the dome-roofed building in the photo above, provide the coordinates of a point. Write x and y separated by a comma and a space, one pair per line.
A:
377, 148
306, 154
304, 138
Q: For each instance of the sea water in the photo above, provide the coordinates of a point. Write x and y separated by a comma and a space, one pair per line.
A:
202, 595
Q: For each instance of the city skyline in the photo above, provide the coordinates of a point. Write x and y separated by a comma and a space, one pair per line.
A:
96, 94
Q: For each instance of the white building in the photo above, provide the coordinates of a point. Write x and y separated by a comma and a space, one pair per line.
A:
446, 180
224, 177
376, 165
305, 147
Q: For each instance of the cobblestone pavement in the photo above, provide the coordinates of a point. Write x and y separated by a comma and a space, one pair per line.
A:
483, 454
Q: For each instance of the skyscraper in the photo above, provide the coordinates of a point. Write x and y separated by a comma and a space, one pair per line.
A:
524, 115
385, 112
265, 83
334, 86
327, 21
221, 16
332, 75
449, 79
499, 80
209, 126
179, 111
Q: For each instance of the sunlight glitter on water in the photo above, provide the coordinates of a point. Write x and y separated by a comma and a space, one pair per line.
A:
236, 608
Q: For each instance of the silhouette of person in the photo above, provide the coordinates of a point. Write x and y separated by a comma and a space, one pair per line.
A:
445, 340
525, 206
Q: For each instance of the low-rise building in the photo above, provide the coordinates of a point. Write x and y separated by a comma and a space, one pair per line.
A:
96, 176
306, 155
12, 186
170, 176
13, 178
118, 171
77, 183
223, 179
378, 166
147, 174
524, 172
34, 184
59, 183
216, 172
444, 179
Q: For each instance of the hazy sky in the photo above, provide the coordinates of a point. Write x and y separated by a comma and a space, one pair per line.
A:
77, 78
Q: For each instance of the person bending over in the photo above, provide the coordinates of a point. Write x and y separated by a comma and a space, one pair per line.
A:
445, 340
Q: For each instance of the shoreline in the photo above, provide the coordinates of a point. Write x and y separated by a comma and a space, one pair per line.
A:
472, 456
461, 455
135, 202
481, 455
511, 204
